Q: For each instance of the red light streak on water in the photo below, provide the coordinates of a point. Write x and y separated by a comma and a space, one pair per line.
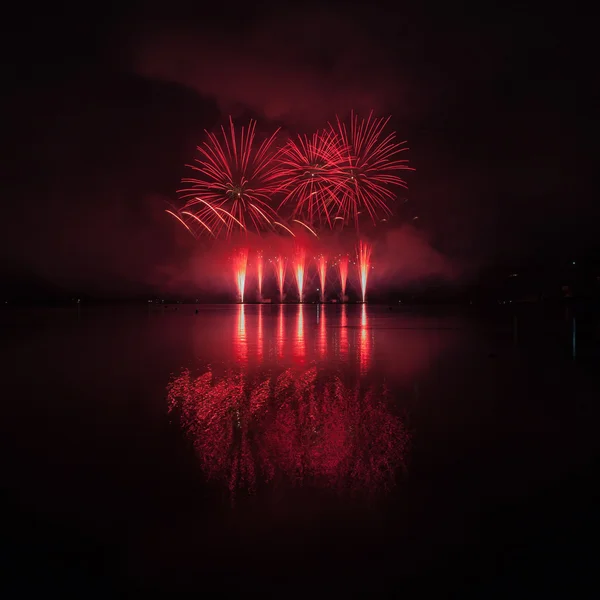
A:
300, 345
344, 333
299, 262
343, 271
240, 338
364, 264
322, 268
240, 264
280, 332
260, 346
322, 331
364, 343
280, 265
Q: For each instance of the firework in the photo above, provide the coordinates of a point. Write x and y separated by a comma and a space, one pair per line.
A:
322, 269
307, 227
284, 227
343, 272
363, 253
370, 168
312, 170
240, 263
180, 220
234, 181
299, 261
280, 265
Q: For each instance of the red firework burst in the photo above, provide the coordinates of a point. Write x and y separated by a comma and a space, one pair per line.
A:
235, 180
370, 167
312, 169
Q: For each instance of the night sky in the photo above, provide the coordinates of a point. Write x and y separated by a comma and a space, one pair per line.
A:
103, 110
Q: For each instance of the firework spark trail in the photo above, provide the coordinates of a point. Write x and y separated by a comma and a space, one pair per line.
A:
280, 265
322, 268
196, 218
307, 227
343, 271
364, 264
299, 262
234, 175
284, 227
312, 170
240, 263
371, 167
259, 273
181, 221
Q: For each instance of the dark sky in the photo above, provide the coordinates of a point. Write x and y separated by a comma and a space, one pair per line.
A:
101, 111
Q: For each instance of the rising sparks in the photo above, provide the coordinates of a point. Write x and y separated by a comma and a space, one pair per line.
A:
343, 273
280, 265
363, 253
299, 263
322, 269
240, 263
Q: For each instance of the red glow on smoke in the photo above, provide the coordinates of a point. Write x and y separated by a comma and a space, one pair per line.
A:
364, 265
280, 265
299, 263
322, 269
302, 426
240, 265
259, 274
343, 272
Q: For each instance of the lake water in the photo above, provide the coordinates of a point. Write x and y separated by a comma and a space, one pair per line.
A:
297, 449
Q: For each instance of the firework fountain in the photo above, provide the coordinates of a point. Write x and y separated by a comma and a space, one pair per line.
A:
322, 268
343, 271
280, 265
243, 180
299, 264
240, 265
364, 264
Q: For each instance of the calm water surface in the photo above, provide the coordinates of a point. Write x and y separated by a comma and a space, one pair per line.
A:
331, 449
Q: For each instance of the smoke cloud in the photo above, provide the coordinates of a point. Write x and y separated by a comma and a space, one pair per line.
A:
296, 69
